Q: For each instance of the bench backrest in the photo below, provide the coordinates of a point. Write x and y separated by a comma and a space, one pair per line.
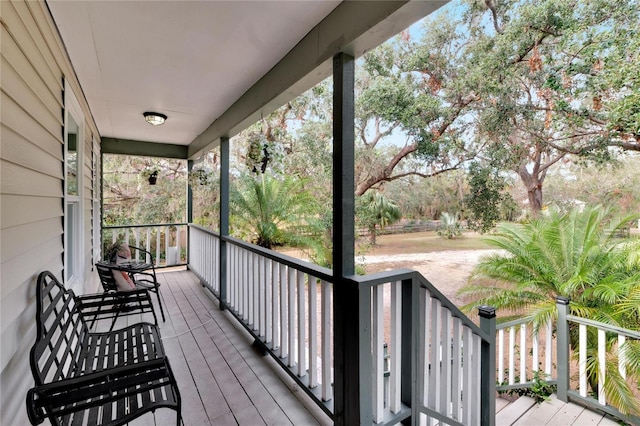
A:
61, 332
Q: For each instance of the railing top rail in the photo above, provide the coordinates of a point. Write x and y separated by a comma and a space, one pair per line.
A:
455, 311
301, 265
384, 277
152, 225
203, 229
605, 327
507, 324
404, 274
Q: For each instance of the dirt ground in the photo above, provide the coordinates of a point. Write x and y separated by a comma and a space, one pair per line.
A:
448, 271
447, 264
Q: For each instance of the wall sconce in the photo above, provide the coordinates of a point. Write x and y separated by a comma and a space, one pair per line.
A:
154, 118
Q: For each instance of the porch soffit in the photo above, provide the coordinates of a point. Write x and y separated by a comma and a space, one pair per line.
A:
212, 67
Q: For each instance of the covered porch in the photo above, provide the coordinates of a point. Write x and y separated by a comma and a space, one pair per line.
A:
222, 378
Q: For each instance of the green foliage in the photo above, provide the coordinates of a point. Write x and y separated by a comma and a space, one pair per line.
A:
273, 211
129, 199
485, 197
374, 210
449, 226
574, 255
539, 389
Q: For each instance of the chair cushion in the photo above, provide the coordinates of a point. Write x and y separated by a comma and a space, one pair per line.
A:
123, 281
124, 254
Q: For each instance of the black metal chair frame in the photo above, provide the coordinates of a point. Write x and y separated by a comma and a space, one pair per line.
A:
125, 302
144, 276
94, 378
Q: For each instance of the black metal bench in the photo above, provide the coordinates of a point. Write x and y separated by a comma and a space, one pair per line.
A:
89, 378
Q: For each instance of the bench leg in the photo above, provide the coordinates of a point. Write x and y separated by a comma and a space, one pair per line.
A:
160, 304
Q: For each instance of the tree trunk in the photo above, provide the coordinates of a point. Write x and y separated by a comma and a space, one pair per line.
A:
533, 183
372, 235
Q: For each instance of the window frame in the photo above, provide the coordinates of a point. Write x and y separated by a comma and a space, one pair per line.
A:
73, 203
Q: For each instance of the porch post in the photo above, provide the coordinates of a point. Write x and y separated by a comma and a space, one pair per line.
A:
562, 303
224, 218
488, 367
189, 208
410, 351
346, 322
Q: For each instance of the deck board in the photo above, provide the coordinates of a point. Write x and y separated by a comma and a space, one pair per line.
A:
222, 380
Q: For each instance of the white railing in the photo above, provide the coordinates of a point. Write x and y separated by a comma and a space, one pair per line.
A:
164, 241
204, 252
406, 309
611, 345
286, 304
523, 353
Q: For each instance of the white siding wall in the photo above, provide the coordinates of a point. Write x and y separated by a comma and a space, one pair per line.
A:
31, 184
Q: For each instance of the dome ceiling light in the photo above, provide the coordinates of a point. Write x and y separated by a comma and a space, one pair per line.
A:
154, 118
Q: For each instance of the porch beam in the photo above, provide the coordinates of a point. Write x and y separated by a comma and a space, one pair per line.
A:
143, 148
346, 297
353, 27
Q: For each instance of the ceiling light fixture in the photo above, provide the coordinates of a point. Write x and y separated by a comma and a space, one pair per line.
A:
154, 118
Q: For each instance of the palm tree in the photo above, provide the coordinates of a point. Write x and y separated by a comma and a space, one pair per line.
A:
374, 210
273, 211
575, 255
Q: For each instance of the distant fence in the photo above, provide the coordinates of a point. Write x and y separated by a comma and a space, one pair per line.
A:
403, 228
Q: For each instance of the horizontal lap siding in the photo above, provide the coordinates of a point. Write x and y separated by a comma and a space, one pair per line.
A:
33, 64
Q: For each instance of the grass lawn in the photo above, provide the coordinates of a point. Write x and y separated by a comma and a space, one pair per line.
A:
425, 242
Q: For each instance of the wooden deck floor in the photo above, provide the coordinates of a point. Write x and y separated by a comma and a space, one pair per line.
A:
222, 380
525, 412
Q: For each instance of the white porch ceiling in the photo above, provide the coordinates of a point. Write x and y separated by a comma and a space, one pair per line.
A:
187, 59
193, 60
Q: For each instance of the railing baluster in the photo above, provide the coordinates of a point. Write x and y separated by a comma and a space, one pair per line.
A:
396, 347
292, 317
436, 358
582, 358
523, 353
313, 331
456, 388
423, 383
262, 297
501, 356
475, 385
147, 246
327, 360
275, 311
284, 323
535, 359
270, 299
245, 286
602, 366
548, 349
255, 293
377, 342
622, 361
302, 338
445, 345
512, 358
158, 246
179, 256
467, 376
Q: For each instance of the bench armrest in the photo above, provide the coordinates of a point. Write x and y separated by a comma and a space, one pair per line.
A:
93, 389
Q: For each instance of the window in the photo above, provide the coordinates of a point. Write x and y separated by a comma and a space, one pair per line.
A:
73, 258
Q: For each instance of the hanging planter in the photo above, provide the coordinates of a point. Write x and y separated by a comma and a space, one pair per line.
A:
153, 178
151, 175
